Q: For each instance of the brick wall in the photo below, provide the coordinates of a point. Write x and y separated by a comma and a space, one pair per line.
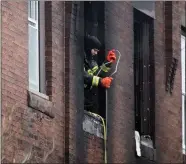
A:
74, 94
94, 146
31, 133
63, 112
119, 35
55, 23
94, 149
14, 71
51, 130
168, 107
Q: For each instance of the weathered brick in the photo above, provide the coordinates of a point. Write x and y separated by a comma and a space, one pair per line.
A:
34, 126
119, 25
64, 76
168, 107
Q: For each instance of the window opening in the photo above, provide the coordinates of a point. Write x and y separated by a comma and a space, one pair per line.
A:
144, 77
94, 26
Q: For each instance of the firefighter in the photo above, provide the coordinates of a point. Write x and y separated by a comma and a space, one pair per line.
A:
91, 69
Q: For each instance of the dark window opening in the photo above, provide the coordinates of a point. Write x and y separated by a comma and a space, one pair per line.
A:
144, 75
94, 26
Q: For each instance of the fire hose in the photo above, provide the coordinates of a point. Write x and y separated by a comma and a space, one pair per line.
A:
105, 128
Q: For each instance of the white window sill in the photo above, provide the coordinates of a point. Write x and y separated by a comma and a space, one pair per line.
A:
39, 94
183, 150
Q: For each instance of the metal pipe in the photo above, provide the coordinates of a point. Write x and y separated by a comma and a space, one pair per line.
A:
106, 106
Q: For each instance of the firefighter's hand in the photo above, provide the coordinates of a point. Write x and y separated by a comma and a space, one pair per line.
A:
105, 82
111, 57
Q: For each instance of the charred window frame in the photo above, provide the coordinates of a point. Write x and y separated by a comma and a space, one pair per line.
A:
144, 85
94, 25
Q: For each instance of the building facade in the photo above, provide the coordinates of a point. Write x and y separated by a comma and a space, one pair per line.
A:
42, 93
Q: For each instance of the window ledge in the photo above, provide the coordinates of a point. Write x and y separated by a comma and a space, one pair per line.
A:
147, 149
183, 150
148, 152
144, 147
40, 102
93, 125
39, 94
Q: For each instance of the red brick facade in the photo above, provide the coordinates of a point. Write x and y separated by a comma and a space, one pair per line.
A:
168, 107
119, 35
40, 128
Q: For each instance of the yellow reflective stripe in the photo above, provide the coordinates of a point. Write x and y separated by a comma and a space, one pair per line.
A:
105, 68
95, 81
94, 69
90, 72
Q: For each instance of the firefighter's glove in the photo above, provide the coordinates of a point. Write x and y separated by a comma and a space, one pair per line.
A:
105, 82
111, 57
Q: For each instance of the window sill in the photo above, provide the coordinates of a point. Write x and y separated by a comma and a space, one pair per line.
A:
93, 125
183, 150
144, 147
39, 94
148, 152
40, 102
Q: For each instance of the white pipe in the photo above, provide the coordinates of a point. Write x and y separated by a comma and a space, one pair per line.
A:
106, 106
